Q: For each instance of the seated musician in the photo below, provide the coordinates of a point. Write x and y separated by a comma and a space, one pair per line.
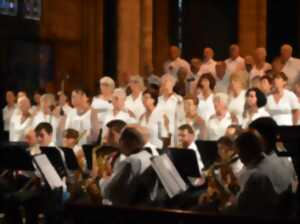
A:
118, 188
262, 180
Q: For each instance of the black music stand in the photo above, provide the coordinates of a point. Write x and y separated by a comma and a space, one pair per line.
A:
15, 156
71, 159
208, 151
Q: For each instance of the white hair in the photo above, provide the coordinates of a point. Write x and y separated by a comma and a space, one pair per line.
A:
108, 80
139, 79
119, 92
222, 97
287, 47
168, 76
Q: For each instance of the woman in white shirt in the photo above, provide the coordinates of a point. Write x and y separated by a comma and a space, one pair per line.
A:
261, 66
84, 119
102, 102
238, 84
134, 102
254, 106
21, 120
283, 104
153, 119
206, 84
221, 120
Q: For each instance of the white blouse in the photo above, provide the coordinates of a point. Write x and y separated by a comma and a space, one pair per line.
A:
206, 107
102, 107
261, 112
237, 104
259, 72
217, 128
281, 112
81, 123
135, 105
17, 129
7, 114
155, 125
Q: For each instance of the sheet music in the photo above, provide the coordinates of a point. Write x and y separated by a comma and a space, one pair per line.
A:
48, 171
169, 176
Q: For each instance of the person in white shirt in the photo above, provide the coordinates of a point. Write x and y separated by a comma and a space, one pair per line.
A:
134, 102
218, 123
283, 104
9, 109
206, 108
261, 66
84, 119
153, 119
291, 65
238, 84
265, 84
222, 78
191, 116
47, 113
209, 64
254, 106
193, 77
20, 120
186, 137
235, 62
172, 65
118, 111
37, 100
63, 104
171, 105
102, 102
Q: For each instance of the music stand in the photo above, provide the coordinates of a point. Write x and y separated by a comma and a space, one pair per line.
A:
14, 156
185, 161
71, 159
208, 151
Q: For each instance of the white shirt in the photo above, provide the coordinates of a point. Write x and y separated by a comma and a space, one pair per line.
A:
281, 112
237, 105
194, 147
292, 70
261, 112
7, 113
208, 67
135, 105
234, 64
173, 109
172, 67
216, 128
102, 107
259, 72
152, 148
206, 107
222, 84
155, 126
82, 124
17, 129
68, 110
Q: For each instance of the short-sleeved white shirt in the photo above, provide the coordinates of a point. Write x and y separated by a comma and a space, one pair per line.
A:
216, 128
206, 107
237, 105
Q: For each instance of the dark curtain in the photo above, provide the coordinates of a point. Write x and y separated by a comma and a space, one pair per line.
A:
209, 23
283, 21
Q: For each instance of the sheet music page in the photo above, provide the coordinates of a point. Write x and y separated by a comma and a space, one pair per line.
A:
169, 176
48, 171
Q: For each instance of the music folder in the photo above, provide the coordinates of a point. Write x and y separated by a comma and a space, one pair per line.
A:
185, 161
48, 172
168, 175
15, 156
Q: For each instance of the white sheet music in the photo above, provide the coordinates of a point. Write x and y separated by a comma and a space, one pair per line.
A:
48, 171
168, 174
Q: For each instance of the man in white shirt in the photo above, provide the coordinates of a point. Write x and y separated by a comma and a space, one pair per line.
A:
186, 137
222, 78
193, 77
235, 61
291, 65
208, 64
44, 134
172, 65
9, 109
